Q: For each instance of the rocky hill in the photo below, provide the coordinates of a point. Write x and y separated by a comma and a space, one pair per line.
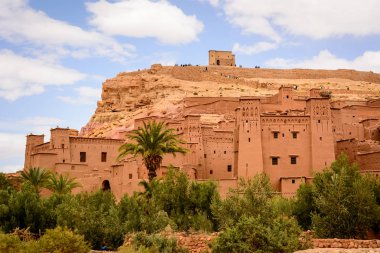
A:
159, 91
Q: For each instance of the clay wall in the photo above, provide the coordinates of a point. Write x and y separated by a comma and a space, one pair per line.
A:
292, 143
209, 105
290, 185
369, 161
219, 154
345, 243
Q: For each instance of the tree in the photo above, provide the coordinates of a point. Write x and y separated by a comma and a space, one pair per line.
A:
4, 182
152, 142
61, 184
36, 177
344, 200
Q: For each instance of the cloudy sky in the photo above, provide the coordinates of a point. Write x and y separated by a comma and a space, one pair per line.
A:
54, 55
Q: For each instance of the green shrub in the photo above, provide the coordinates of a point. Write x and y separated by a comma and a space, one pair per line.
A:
250, 198
10, 243
93, 215
62, 240
143, 242
345, 202
253, 234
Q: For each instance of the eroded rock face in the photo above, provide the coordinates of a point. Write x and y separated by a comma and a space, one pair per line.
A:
159, 91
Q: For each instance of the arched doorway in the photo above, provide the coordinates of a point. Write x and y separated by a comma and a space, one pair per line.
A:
106, 186
217, 62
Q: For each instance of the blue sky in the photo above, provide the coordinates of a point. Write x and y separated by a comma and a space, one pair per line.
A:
54, 55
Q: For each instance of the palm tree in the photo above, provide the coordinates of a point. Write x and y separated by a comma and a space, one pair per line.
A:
152, 142
62, 184
36, 177
4, 182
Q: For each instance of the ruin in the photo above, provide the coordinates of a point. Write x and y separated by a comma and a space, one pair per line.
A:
221, 58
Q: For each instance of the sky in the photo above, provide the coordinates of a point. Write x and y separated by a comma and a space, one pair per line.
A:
55, 55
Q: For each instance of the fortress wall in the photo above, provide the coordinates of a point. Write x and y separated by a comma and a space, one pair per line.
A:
199, 73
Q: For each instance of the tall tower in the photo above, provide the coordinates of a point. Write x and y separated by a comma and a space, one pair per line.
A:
250, 156
322, 140
32, 140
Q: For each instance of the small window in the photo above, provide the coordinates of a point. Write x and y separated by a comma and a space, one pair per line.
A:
294, 134
205, 156
283, 135
319, 121
211, 172
130, 176
274, 160
63, 145
104, 157
320, 138
214, 151
293, 160
229, 168
63, 161
82, 156
293, 181
249, 139
225, 152
275, 135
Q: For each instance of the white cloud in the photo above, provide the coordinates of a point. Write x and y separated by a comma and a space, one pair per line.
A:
11, 145
85, 95
255, 48
369, 61
21, 76
144, 18
19, 23
316, 19
214, 3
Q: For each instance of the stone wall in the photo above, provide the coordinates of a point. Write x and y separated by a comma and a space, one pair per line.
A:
345, 243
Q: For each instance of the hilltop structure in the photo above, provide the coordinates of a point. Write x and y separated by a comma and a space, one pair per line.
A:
221, 58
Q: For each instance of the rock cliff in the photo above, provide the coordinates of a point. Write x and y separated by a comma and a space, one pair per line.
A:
159, 91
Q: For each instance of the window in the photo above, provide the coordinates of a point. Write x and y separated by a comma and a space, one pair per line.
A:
275, 135
229, 168
320, 138
294, 134
319, 121
274, 160
130, 176
293, 160
225, 152
214, 151
82, 156
211, 172
104, 157
249, 139
205, 156
293, 181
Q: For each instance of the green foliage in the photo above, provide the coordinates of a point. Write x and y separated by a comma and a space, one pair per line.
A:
4, 182
154, 243
61, 184
255, 234
10, 243
254, 220
152, 142
341, 203
93, 215
304, 206
62, 240
23, 209
36, 177
250, 198
173, 201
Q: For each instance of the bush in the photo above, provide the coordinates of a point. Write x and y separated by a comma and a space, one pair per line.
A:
345, 202
253, 234
93, 215
10, 243
62, 240
251, 198
153, 243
